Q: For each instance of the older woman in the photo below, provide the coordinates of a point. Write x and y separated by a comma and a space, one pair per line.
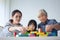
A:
47, 25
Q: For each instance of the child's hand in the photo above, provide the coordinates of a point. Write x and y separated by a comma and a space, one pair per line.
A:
27, 28
40, 30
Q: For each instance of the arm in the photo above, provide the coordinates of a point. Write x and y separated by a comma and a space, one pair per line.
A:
56, 26
50, 27
4, 32
39, 28
53, 25
15, 28
21, 29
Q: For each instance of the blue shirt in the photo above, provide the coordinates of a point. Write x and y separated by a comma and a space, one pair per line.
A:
48, 22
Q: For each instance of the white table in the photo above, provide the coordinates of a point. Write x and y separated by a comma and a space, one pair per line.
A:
30, 38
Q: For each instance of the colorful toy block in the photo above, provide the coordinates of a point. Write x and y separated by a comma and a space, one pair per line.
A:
36, 34
42, 34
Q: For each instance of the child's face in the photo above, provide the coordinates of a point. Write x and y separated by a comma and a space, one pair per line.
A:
16, 18
31, 27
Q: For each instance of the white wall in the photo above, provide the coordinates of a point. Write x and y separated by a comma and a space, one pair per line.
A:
30, 9
7, 10
4, 12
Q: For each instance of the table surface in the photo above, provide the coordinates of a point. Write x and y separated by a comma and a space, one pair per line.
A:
30, 38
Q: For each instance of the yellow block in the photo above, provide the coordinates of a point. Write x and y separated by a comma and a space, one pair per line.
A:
42, 34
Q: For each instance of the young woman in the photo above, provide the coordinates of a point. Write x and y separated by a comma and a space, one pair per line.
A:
13, 25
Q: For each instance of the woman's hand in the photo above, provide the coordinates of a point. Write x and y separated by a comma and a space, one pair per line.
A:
22, 29
49, 28
12, 28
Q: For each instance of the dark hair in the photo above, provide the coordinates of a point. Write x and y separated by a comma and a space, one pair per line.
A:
34, 23
11, 20
14, 12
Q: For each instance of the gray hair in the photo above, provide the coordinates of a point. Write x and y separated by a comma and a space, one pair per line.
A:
44, 11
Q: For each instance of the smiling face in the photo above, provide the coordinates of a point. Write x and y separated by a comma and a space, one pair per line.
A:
16, 18
31, 27
42, 17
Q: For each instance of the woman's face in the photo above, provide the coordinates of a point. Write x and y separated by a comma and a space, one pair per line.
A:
42, 17
16, 18
31, 27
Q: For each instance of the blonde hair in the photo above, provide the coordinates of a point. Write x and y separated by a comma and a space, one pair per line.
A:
44, 11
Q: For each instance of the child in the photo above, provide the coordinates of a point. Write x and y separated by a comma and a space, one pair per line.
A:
32, 25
